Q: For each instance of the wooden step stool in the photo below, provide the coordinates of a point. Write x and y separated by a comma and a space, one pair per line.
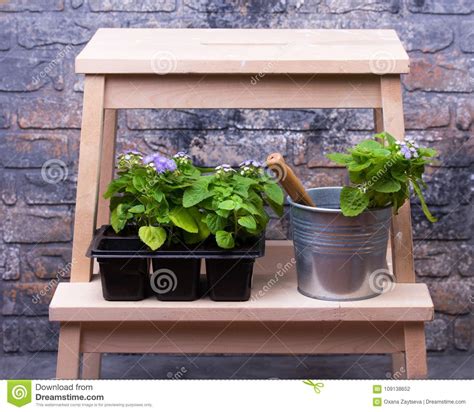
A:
251, 69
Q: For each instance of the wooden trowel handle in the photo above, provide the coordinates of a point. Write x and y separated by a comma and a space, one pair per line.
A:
289, 180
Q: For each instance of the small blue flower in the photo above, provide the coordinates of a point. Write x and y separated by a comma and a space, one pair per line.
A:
250, 168
161, 163
182, 158
250, 163
224, 170
405, 151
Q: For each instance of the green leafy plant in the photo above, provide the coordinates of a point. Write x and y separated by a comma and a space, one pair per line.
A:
381, 172
233, 202
148, 193
171, 200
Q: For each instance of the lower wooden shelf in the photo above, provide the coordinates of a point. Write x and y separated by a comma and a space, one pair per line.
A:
273, 300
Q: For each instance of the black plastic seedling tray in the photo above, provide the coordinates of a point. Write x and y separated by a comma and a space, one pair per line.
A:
176, 269
106, 243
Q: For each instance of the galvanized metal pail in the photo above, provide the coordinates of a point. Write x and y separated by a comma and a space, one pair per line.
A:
338, 257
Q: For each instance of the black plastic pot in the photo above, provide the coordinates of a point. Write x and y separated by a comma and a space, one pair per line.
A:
176, 278
229, 279
124, 278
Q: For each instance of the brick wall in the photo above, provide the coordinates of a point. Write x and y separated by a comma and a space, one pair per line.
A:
40, 112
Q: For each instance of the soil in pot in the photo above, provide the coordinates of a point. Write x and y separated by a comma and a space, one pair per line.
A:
124, 278
176, 278
229, 279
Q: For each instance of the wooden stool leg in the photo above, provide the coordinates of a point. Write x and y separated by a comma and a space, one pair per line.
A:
415, 349
91, 363
401, 235
107, 163
68, 351
88, 176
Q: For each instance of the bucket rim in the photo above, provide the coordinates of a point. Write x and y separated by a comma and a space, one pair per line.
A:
325, 209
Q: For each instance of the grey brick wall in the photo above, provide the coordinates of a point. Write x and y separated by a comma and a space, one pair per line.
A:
40, 113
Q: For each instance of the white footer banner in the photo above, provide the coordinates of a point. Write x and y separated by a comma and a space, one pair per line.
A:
236, 395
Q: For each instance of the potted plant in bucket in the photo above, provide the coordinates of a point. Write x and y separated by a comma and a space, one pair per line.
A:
169, 212
341, 244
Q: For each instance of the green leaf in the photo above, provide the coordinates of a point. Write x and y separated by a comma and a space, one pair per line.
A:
196, 193
250, 207
137, 209
356, 177
122, 211
424, 206
381, 152
223, 213
276, 207
139, 182
384, 136
227, 205
427, 152
357, 167
157, 195
183, 219
203, 230
339, 158
369, 145
224, 239
247, 222
274, 193
242, 184
387, 186
398, 172
353, 201
152, 236
116, 186
116, 221
390, 139
215, 222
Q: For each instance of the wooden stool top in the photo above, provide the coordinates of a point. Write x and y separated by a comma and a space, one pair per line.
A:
165, 51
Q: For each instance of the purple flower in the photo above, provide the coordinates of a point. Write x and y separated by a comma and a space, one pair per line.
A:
249, 163
405, 151
160, 163
182, 155
182, 158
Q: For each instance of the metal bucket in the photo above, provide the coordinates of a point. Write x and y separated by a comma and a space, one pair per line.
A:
338, 257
